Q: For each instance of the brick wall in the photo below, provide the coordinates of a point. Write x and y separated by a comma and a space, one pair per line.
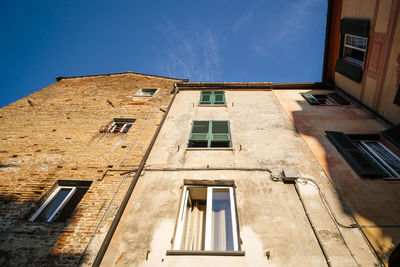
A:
54, 134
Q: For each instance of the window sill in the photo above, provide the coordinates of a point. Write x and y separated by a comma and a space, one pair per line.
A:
143, 96
212, 105
210, 148
204, 253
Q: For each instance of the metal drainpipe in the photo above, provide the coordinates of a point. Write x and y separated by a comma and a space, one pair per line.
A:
124, 202
328, 262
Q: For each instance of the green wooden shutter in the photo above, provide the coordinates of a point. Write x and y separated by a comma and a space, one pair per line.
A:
349, 70
339, 99
219, 97
205, 97
199, 135
393, 135
220, 134
362, 164
310, 98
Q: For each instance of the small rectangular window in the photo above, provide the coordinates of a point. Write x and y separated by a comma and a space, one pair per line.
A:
366, 155
212, 98
118, 125
61, 202
324, 99
149, 92
210, 134
207, 219
354, 49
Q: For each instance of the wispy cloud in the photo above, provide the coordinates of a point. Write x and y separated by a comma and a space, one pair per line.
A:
246, 18
193, 54
290, 23
243, 20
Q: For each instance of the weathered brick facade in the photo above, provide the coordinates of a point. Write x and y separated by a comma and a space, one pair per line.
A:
53, 135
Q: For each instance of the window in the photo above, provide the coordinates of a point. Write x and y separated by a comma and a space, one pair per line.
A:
210, 134
118, 126
324, 99
366, 155
207, 219
397, 97
147, 92
61, 202
353, 48
212, 98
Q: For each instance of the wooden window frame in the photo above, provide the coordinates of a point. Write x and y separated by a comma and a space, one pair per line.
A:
208, 228
49, 199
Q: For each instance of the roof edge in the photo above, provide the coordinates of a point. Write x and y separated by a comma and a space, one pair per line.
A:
59, 78
249, 85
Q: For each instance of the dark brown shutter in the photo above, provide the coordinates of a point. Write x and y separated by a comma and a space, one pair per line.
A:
339, 99
349, 70
356, 27
362, 164
397, 97
393, 135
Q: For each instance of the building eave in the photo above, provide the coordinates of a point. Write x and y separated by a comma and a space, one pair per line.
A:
59, 78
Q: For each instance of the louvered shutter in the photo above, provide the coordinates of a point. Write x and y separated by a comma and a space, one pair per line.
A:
356, 27
349, 70
310, 98
205, 97
219, 97
362, 164
339, 99
220, 134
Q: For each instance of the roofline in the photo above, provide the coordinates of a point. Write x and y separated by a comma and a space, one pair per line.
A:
248, 85
59, 78
327, 36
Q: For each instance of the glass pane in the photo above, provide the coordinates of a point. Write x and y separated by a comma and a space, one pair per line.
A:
220, 127
51, 207
148, 91
384, 154
200, 127
354, 54
222, 233
356, 41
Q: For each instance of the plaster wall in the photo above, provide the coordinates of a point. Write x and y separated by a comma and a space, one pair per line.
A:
270, 215
386, 106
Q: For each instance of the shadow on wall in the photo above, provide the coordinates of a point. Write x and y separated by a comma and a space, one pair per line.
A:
30, 243
372, 202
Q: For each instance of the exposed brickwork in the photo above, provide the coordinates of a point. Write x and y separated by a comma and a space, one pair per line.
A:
54, 134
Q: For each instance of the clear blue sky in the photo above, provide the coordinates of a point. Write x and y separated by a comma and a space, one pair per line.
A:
220, 40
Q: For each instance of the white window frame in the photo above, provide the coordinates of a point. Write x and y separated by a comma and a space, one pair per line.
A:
114, 124
361, 63
381, 161
44, 205
140, 92
208, 229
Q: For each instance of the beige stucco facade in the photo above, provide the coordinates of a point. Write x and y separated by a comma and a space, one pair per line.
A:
380, 72
271, 218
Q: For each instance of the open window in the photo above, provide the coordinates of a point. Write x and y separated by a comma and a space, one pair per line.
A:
61, 202
324, 99
208, 134
367, 155
353, 48
207, 220
147, 92
118, 125
212, 98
